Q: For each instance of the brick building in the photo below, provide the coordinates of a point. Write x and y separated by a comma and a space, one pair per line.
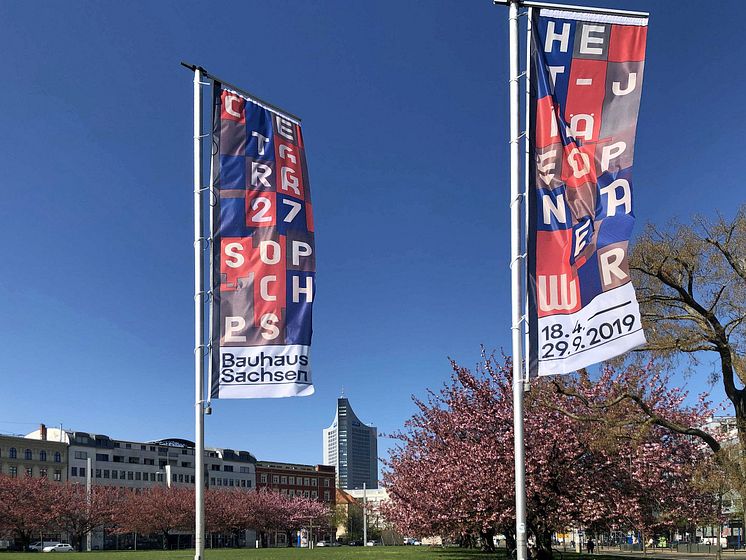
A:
316, 482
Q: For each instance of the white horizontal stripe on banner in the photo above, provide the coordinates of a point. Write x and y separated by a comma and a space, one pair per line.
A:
596, 18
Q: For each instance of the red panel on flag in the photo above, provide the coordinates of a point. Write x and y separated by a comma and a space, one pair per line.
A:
627, 43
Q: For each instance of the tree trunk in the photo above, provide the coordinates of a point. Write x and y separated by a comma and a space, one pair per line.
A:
544, 545
510, 542
79, 538
488, 542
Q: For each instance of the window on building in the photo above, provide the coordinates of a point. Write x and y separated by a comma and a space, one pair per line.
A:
283, 480
162, 463
212, 481
147, 461
81, 455
73, 471
225, 482
305, 494
134, 460
130, 475
57, 457
291, 480
102, 456
29, 472
115, 474
263, 478
122, 475
57, 475
248, 484
143, 448
12, 453
98, 473
106, 473
214, 467
307, 482
81, 471
128, 446
275, 479
191, 479
314, 494
186, 464
13, 471
152, 477
327, 496
42, 455
27, 455
173, 478
243, 484
228, 468
138, 475
118, 458
245, 470
152, 447
327, 483
43, 472
220, 481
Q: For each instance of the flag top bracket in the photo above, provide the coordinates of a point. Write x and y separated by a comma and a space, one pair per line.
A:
243, 92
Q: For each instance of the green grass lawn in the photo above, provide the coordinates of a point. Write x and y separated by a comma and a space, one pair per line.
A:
341, 553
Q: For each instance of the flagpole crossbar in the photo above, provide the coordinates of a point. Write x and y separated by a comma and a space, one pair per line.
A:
571, 8
243, 92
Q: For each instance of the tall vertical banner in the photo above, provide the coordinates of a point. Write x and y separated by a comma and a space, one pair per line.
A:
586, 80
264, 262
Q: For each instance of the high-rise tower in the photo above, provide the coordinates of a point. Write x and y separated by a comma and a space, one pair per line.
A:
352, 447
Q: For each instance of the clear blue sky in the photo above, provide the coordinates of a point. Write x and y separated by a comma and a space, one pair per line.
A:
404, 106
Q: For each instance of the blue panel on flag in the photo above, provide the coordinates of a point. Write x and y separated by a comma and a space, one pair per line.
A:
558, 38
259, 134
232, 172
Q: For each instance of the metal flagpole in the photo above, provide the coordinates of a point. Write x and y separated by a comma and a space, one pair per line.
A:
516, 198
199, 319
365, 515
526, 187
88, 491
